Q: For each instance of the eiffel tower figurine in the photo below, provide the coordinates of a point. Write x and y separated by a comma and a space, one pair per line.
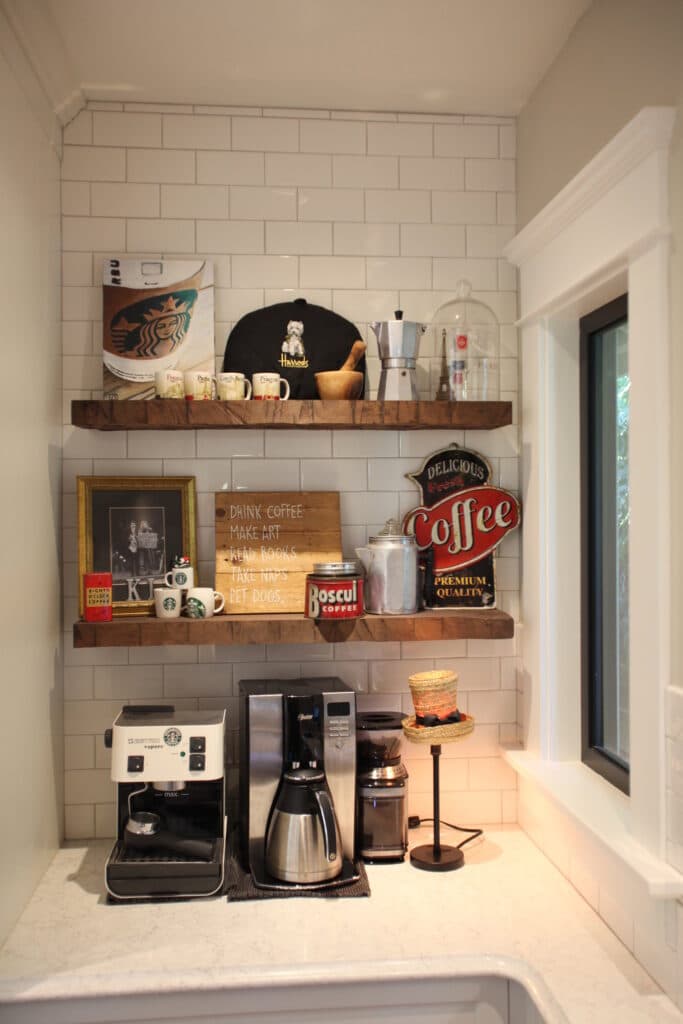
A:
443, 391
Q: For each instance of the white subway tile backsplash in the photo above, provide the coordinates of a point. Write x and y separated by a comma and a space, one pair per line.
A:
432, 240
265, 271
466, 140
490, 175
399, 272
463, 207
292, 203
400, 139
230, 168
275, 134
292, 237
432, 173
331, 272
115, 199
332, 137
84, 234
230, 236
365, 172
263, 203
266, 475
167, 236
298, 169
122, 129
195, 132
207, 201
404, 206
76, 198
366, 239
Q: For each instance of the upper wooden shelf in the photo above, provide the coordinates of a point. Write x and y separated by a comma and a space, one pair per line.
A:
177, 414
446, 624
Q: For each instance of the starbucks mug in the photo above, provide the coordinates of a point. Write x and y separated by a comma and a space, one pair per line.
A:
168, 602
199, 385
233, 387
269, 385
203, 602
182, 576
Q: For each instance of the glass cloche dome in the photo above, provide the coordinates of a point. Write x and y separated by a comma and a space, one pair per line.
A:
467, 338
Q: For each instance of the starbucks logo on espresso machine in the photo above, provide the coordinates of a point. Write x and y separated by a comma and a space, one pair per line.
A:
461, 521
172, 737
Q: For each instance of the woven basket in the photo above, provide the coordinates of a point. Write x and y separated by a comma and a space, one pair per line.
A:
434, 693
447, 733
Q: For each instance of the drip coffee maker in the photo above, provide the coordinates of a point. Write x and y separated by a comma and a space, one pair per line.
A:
297, 783
382, 790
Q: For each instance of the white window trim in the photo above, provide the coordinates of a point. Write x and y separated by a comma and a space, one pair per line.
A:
605, 233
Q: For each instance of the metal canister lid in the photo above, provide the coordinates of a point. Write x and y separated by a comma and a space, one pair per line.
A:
336, 568
391, 533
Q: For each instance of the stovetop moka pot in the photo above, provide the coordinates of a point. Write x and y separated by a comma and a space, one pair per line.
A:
398, 342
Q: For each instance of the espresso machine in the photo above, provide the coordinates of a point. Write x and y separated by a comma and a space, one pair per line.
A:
398, 342
171, 824
297, 783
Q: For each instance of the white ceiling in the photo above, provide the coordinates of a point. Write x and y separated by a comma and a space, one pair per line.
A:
439, 56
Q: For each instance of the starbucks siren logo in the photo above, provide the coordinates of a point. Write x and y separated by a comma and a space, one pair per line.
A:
196, 608
180, 578
172, 737
169, 604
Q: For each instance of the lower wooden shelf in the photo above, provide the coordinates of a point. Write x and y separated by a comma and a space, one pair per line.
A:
442, 624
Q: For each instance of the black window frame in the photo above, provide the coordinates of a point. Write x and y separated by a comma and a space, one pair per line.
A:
595, 756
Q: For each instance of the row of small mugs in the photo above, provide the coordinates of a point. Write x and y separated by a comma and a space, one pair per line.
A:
200, 603
229, 387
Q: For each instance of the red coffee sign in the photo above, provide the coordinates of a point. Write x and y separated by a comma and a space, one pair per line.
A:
464, 527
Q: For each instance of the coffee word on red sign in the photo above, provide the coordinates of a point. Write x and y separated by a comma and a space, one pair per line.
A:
465, 527
461, 520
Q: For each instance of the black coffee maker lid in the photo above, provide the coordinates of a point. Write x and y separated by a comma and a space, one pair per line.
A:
378, 721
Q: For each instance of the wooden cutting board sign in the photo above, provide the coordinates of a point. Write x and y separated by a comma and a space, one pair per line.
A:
266, 544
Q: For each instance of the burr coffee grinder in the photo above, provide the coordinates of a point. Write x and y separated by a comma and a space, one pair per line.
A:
398, 342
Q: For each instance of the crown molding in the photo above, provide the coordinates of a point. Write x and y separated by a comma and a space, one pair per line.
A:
34, 49
649, 131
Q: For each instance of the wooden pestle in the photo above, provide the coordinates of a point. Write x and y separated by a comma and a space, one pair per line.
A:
357, 350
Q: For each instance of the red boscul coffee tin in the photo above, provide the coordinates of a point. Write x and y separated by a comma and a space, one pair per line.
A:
334, 590
97, 601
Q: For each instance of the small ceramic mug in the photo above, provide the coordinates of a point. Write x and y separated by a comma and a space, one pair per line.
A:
168, 602
203, 602
182, 577
200, 385
169, 384
233, 387
269, 385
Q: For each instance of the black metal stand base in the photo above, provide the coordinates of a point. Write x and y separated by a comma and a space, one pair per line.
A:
447, 858
436, 857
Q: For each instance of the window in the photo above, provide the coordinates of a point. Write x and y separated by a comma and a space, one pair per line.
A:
605, 396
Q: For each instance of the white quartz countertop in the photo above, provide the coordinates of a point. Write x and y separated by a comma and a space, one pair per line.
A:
507, 912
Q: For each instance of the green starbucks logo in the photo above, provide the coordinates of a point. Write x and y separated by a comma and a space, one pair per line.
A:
172, 737
181, 579
196, 608
169, 604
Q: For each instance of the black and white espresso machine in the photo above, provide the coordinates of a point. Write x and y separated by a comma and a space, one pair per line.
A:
171, 823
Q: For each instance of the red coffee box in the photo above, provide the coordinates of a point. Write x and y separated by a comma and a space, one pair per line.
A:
97, 604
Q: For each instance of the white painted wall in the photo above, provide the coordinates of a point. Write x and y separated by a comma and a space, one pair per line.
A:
364, 214
30, 637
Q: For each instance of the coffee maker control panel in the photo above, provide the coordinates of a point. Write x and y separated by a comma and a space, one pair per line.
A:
338, 719
164, 746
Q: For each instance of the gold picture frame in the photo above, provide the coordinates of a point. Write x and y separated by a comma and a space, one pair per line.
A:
133, 527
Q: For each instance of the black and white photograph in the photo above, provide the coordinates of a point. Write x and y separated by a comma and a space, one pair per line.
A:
134, 528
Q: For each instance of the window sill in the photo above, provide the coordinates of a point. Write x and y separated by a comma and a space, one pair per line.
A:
602, 811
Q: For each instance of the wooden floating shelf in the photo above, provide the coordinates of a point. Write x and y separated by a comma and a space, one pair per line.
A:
177, 414
445, 624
